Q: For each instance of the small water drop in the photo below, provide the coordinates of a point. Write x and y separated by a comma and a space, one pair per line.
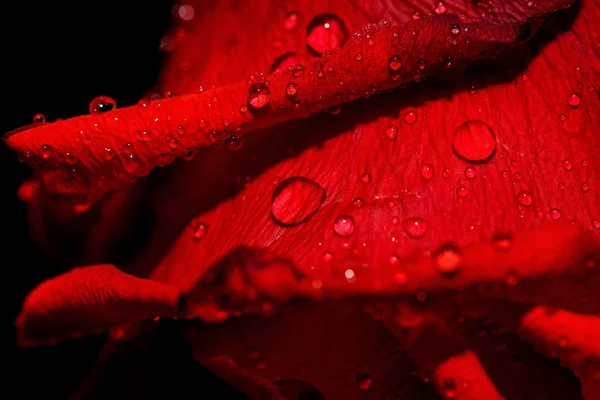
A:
46, 151
562, 117
446, 173
567, 164
448, 259
39, 118
391, 132
143, 135
366, 178
358, 202
474, 141
502, 242
358, 57
584, 163
596, 223
199, 230
343, 226
234, 142
525, 198
462, 191
327, 257
416, 228
410, 117
455, 31
325, 31
291, 90
131, 163
555, 214
440, 8
470, 172
574, 99
295, 200
394, 64
427, 172
259, 96
422, 64
291, 21
102, 104
350, 276
364, 381
585, 187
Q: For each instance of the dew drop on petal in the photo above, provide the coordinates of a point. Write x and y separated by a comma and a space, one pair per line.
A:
555, 214
234, 142
295, 200
422, 64
427, 172
327, 257
448, 259
462, 191
343, 226
470, 172
259, 96
366, 178
143, 135
364, 381
474, 141
596, 223
46, 151
358, 202
394, 64
391, 132
525, 198
290, 21
325, 31
416, 228
410, 117
502, 242
574, 99
455, 31
440, 8
585, 187
567, 164
291, 90
102, 104
199, 230
446, 173
358, 57
39, 118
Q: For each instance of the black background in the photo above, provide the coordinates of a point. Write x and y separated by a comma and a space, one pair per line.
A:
57, 56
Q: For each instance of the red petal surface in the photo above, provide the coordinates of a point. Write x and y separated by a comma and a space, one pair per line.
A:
91, 299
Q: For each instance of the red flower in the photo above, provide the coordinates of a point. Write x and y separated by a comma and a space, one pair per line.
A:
472, 194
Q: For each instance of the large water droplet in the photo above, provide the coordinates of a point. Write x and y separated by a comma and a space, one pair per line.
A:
364, 380
574, 99
474, 141
325, 31
259, 96
448, 259
525, 198
295, 200
102, 104
343, 226
416, 228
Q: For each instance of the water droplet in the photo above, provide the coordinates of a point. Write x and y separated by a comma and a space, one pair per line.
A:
102, 104
327, 257
291, 90
440, 8
462, 191
130, 163
470, 172
455, 31
343, 226
502, 242
416, 228
290, 21
421, 64
259, 96
567, 165
555, 214
243, 108
233, 142
366, 178
394, 64
427, 172
295, 200
585, 187
584, 163
574, 99
474, 141
525, 198
562, 117
325, 31
358, 202
448, 259
108, 153
199, 230
358, 57
39, 118
446, 173
391, 132
46, 151
596, 223
410, 117
143, 135
364, 381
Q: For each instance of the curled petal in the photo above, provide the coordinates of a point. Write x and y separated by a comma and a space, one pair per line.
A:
91, 299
